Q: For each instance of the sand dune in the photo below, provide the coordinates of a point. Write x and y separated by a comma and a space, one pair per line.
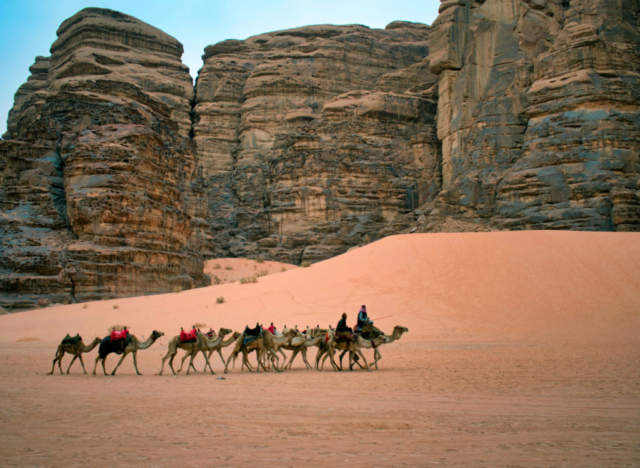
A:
523, 350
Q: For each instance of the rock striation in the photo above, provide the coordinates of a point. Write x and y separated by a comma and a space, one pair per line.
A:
118, 176
101, 194
538, 114
315, 139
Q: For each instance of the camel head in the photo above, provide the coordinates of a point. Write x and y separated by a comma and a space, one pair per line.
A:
224, 332
156, 334
96, 341
236, 335
399, 330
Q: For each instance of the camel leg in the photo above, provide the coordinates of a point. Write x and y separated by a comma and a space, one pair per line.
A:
331, 353
341, 356
223, 361
135, 362
124, 355
96, 365
58, 358
71, 363
364, 359
169, 355
226, 364
82, 363
207, 363
184, 358
304, 358
293, 356
376, 356
104, 369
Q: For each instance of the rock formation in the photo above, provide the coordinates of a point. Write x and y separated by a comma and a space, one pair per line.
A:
538, 113
117, 176
314, 138
101, 195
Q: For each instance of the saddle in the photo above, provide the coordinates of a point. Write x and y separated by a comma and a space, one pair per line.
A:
189, 336
249, 338
71, 340
345, 337
119, 335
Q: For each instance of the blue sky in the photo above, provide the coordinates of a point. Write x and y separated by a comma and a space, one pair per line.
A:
28, 27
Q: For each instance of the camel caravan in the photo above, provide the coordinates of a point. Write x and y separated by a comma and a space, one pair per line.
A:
268, 343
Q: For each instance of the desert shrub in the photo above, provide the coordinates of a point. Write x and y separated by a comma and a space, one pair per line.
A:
283, 269
228, 267
116, 306
263, 273
260, 259
217, 266
220, 300
86, 306
216, 280
249, 279
305, 264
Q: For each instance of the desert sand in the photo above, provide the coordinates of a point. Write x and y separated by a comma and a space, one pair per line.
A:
523, 350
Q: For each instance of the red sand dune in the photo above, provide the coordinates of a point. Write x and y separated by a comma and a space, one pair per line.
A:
523, 350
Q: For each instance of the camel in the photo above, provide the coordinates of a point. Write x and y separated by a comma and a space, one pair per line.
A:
301, 347
175, 343
133, 345
398, 330
76, 350
208, 346
263, 343
354, 348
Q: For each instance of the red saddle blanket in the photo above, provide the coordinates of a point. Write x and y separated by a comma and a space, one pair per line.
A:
188, 335
119, 335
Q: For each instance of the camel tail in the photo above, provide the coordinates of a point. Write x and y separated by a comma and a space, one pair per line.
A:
58, 352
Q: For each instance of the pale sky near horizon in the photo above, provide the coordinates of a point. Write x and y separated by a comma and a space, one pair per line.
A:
28, 27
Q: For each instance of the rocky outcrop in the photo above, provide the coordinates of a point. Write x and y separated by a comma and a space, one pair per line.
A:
314, 139
538, 113
101, 192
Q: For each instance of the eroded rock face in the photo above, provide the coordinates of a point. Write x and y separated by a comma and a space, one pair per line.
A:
538, 113
314, 139
101, 195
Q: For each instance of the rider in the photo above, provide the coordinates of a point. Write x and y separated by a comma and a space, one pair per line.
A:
363, 318
342, 325
272, 329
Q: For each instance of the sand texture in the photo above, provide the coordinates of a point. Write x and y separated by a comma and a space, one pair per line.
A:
523, 350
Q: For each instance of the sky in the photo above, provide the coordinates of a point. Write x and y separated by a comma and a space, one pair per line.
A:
28, 27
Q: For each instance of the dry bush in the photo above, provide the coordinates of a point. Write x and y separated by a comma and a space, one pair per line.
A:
220, 300
260, 259
86, 306
263, 273
216, 280
228, 267
116, 306
217, 266
283, 269
249, 279
305, 264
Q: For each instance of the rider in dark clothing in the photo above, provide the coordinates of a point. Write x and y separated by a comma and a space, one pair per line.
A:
342, 325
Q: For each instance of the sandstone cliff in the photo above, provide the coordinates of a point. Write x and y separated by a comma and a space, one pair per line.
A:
100, 192
117, 175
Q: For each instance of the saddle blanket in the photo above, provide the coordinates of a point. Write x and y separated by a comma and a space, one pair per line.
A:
71, 340
189, 336
119, 335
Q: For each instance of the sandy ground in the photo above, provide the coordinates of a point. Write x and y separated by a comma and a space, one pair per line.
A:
523, 350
